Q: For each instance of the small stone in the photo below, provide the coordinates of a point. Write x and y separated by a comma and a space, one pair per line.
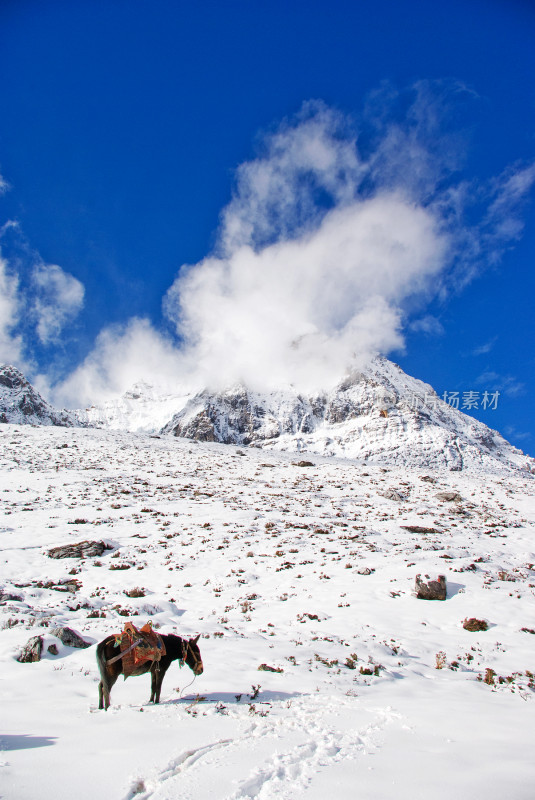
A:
31, 651
302, 463
53, 649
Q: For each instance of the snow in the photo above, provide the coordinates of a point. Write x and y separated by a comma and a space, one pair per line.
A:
144, 408
266, 560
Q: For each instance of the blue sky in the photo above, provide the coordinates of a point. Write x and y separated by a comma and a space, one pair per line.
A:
124, 125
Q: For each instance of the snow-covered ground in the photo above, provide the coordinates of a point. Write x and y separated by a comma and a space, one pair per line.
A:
305, 569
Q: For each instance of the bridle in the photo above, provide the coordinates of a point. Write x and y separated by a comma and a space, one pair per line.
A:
197, 661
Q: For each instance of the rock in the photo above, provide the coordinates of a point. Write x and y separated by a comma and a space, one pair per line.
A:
449, 497
366, 570
419, 529
474, 625
392, 494
267, 668
31, 651
69, 637
53, 649
432, 590
302, 463
86, 549
9, 597
21, 404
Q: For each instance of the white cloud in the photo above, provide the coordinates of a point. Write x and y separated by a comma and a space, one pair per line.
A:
59, 297
335, 238
486, 347
37, 300
122, 355
503, 222
304, 311
427, 324
10, 341
506, 384
311, 157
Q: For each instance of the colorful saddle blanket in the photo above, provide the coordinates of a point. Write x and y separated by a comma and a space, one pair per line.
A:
139, 646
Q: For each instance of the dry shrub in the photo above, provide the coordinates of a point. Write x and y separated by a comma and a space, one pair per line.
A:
136, 592
472, 624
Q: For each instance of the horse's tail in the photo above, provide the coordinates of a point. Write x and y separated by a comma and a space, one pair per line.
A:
102, 658
105, 678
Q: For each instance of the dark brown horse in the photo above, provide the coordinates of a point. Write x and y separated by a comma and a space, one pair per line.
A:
184, 650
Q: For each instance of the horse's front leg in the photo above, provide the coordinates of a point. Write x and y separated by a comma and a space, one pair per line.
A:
160, 674
153, 684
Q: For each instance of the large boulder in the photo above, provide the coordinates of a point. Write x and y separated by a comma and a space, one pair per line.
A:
69, 637
31, 651
449, 497
431, 589
85, 549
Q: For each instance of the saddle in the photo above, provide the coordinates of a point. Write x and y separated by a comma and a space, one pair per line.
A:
138, 647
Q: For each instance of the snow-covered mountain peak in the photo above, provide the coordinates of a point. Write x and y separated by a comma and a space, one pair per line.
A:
379, 414
144, 408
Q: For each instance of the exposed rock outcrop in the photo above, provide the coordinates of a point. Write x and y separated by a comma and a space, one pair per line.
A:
85, 549
21, 404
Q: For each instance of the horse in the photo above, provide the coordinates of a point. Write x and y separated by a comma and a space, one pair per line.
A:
185, 650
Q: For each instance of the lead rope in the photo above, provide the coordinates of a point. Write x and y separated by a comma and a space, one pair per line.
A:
182, 662
185, 687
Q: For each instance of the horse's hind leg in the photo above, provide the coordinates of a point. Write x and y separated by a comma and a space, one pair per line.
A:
105, 686
104, 689
103, 694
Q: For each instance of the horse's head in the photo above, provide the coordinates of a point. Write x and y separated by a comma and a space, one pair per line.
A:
193, 656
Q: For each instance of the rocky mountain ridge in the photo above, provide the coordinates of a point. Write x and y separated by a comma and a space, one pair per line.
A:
379, 414
21, 404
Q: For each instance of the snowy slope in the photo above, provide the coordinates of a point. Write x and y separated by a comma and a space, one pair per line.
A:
308, 570
21, 404
381, 414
